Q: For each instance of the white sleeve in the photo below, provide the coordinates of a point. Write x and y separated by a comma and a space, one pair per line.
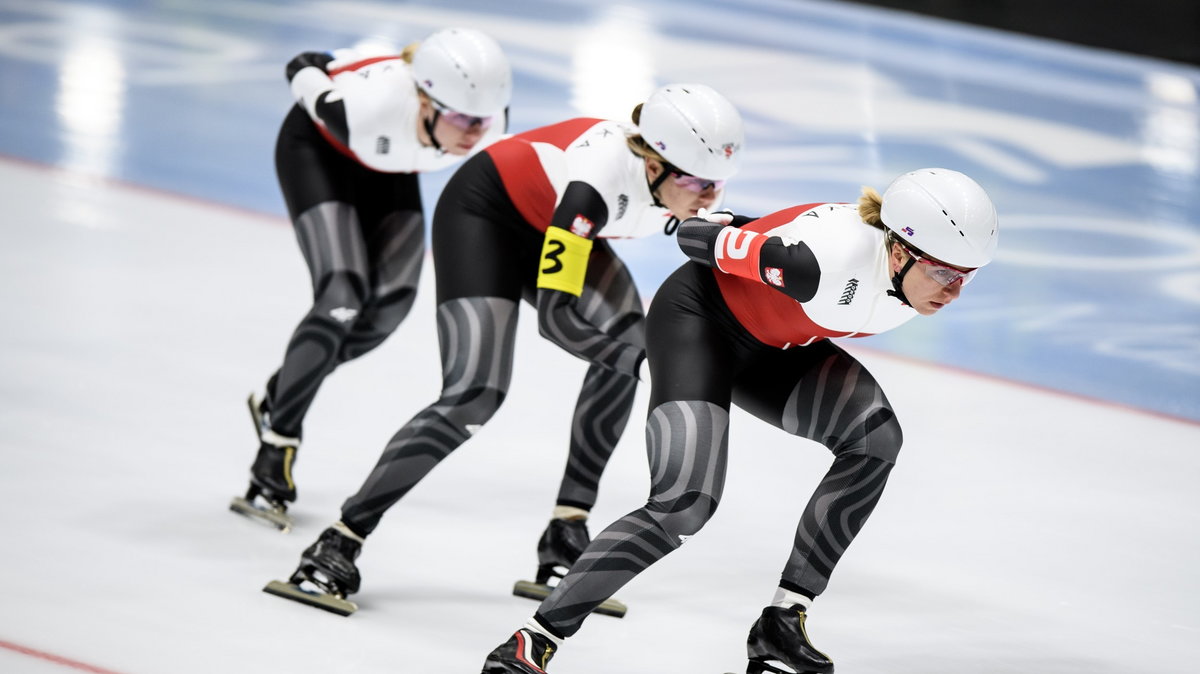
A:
307, 87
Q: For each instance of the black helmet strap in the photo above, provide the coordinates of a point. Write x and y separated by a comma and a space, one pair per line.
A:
431, 122
658, 182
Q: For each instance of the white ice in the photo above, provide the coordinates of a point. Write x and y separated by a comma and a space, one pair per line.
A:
1022, 530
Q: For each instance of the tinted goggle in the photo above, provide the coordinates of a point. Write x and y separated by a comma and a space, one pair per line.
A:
942, 273
693, 183
460, 120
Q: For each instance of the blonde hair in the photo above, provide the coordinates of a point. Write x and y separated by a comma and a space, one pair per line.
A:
638, 145
869, 205
406, 54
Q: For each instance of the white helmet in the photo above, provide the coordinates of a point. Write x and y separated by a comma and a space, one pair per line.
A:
695, 129
944, 214
465, 70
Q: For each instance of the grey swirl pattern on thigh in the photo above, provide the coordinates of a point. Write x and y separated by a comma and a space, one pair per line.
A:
397, 251
477, 337
687, 446
331, 241
840, 405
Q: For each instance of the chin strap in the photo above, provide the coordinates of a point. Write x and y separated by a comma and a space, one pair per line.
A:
898, 280
672, 222
429, 124
654, 188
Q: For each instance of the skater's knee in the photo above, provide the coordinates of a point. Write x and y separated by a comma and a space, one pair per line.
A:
375, 323
472, 408
684, 516
339, 297
385, 314
879, 437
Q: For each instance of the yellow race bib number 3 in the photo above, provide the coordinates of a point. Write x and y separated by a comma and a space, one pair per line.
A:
564, 261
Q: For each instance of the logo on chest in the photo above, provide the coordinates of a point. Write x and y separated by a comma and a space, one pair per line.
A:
382, 145
848, 293
622, 204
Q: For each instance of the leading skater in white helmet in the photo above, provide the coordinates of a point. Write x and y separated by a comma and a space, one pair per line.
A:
748, 322
529, 218
347, 157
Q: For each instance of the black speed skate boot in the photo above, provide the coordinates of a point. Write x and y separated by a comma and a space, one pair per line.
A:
560, 546
271, 473
328, 566
271, 485
525, 652
779, 643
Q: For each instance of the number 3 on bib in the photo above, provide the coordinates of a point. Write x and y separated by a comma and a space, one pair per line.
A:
564, 261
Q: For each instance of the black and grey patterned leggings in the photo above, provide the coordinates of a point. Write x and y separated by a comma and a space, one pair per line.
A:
485, 259
701, 361
363, 237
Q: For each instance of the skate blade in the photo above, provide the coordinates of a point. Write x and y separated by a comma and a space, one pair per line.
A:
540, 591
325, 602
272, 517
253, 402
772, 667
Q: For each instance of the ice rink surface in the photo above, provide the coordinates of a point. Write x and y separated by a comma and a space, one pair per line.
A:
1043, 517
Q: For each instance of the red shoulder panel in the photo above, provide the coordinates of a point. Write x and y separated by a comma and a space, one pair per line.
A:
521, 170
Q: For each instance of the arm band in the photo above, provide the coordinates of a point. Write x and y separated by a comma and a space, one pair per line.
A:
564, 261
736, 251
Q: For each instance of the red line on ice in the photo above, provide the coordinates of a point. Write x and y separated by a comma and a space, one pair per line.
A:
58, 659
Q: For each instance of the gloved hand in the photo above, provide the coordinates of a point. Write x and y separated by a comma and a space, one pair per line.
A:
698, 235
721, 217
308, 59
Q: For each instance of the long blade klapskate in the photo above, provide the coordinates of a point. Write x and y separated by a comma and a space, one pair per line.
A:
321, 600
539, 591
272, 517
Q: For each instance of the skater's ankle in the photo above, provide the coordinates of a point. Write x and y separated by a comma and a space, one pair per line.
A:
564, 512
346, 531
274, 439
535, 624
785, 598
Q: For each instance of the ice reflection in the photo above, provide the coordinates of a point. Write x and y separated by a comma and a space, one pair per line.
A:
1171, 130
612, 69
90, 105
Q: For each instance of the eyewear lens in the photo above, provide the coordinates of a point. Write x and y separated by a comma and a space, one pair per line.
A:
461, 120
943, 274
696, 184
